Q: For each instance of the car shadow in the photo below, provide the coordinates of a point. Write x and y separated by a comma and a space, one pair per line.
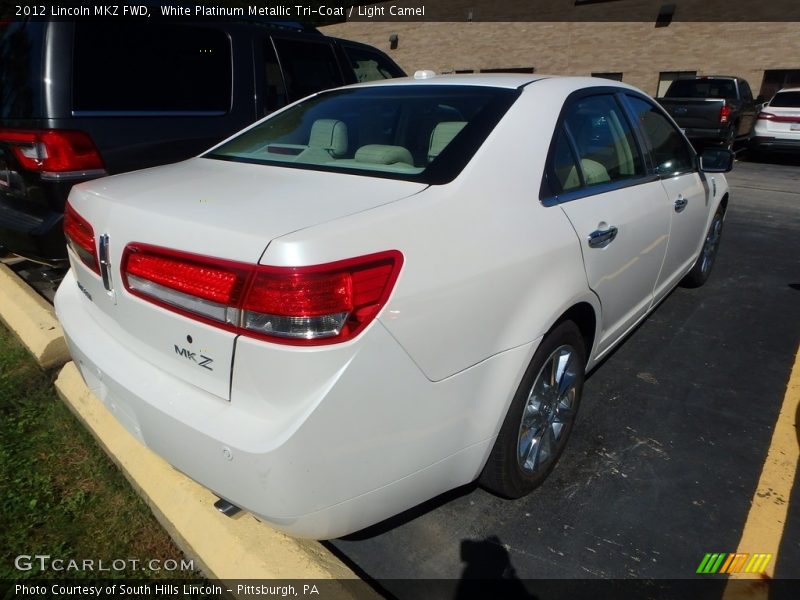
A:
412, 513
488, 572
791, 160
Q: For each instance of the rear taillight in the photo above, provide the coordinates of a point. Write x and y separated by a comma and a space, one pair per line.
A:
53, 152
765, 116
724, 114
319, 304
80, 237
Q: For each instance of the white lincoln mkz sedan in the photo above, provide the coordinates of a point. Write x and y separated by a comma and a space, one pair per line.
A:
385, 291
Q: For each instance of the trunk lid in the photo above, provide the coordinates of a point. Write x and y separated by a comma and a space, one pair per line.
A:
220, 209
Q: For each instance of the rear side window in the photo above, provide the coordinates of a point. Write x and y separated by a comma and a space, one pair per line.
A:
274, 88
158, 68
670, 151
369, 66
565, 168
308, 67
21, 69
604, 141
744, 88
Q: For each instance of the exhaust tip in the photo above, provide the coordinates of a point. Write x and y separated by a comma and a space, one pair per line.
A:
226, 508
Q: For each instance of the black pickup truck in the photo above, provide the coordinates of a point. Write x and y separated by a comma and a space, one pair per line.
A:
712, 109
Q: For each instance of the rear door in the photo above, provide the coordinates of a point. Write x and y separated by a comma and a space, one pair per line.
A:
616, 206
686, 189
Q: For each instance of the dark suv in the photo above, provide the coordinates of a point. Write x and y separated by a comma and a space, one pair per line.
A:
79, 100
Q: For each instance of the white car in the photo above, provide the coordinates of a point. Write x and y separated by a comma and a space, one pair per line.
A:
777, 127
384, 291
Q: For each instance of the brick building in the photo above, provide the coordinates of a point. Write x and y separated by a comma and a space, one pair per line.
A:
648, 54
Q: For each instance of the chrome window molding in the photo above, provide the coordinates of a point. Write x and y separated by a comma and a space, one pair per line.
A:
599, 188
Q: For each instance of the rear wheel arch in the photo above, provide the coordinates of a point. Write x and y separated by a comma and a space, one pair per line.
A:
724, 203
584, 315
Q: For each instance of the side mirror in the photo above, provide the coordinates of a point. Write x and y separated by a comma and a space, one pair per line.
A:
716, 160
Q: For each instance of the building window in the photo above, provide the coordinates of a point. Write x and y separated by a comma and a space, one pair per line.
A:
509, 70
775, 79
665, 79
613, 75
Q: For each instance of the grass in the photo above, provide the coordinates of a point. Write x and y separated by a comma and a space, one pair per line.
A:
60, 495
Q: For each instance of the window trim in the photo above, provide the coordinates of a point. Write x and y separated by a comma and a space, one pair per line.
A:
324, 41
548, 196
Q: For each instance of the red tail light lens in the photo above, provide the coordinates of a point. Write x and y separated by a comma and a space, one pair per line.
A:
80, 237
765, 116
53, 151
297, 305
724, 114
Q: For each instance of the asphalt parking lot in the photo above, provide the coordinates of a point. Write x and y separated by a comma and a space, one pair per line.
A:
670, 442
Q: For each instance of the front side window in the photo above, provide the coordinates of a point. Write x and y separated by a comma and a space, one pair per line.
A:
670, 151
413, 132
163, 68
607, 150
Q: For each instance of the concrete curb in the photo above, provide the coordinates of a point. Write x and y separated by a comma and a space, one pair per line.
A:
224, 548
32, 320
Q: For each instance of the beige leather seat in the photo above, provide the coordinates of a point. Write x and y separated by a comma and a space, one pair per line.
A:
442, 135
327, 140
593, 171
381, 154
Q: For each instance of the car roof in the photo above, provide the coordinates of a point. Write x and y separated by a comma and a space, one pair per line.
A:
793, 89
498, 80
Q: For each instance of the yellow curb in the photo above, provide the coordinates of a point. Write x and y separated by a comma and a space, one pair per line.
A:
223, 548
764, 528
32, 320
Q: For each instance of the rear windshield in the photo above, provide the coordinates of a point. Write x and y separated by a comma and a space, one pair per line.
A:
414, 132
21, 69
786, 99
702, 88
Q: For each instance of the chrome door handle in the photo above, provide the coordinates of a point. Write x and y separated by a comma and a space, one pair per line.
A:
601, 238
680, 203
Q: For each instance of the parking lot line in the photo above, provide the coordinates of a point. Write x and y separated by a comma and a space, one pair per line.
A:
768, 513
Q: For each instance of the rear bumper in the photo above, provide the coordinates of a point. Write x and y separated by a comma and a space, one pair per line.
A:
35, 235
374, 437
774, 144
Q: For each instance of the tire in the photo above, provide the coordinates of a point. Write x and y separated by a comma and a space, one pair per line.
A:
708, 253
526, 451
730, 139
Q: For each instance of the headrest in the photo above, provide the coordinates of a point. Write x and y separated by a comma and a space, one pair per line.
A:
330, 135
